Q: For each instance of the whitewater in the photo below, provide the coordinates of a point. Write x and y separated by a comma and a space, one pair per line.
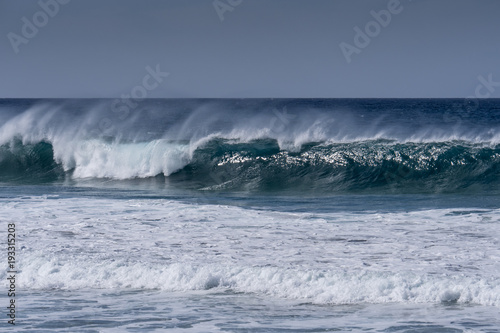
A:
253, 215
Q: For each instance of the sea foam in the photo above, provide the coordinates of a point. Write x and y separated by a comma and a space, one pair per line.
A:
428, 256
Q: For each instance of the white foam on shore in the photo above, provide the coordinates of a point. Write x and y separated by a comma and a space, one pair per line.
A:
322, 287
442, 255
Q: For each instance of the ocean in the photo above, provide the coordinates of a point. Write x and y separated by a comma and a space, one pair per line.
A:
250, 215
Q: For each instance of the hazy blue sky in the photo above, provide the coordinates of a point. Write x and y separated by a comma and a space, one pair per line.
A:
262, 48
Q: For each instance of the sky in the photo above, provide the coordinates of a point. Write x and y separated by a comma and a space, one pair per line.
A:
249, 48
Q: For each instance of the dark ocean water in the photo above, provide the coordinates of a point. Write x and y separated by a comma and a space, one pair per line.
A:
253, 215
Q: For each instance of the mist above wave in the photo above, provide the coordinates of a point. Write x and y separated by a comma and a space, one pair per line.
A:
291, 122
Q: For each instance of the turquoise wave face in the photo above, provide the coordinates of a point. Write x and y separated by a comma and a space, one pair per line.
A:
28, 162
347, 167
261, 165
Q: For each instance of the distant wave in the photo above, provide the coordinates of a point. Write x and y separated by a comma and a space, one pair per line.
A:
256, 149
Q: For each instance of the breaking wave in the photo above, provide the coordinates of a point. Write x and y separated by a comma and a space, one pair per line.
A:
255, 147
